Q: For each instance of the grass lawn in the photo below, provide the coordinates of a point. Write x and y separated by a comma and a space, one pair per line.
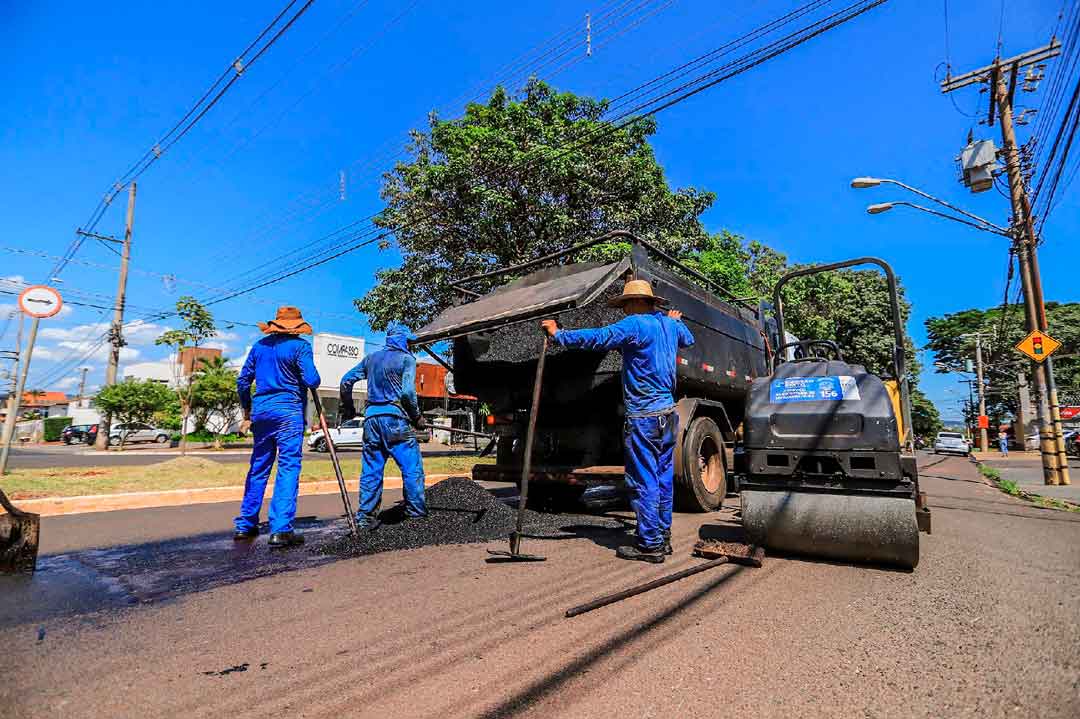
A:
188, 473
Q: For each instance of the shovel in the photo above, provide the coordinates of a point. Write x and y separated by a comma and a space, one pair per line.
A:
337, 465
515, 554
19, 532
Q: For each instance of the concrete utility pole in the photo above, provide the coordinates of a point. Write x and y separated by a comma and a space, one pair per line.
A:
20, 387
983, 439
1002, 75
82, 381
116, 338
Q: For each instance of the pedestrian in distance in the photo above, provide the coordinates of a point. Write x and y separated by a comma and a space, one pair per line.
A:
390, 415
282, 369
648, 340
1003, 442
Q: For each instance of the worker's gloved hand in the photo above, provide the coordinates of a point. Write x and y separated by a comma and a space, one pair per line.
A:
674, 314
549, 326
421, 423
345, 413
245, 426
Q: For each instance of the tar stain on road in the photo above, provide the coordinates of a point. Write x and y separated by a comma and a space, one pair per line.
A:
460, 512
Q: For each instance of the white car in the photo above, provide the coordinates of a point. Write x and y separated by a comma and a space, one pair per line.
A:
136, 432
349, 434
951, 443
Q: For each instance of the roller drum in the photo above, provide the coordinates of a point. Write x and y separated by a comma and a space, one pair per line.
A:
847, 527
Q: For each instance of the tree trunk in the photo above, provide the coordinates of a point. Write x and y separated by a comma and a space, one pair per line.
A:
183, 427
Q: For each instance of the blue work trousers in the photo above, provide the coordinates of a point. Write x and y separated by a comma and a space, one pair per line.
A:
277, 436
650, 474
387, 436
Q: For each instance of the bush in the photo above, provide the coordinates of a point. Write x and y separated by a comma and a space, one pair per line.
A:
207, 436
54, 426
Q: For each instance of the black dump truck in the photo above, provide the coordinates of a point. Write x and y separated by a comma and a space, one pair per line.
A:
579, 437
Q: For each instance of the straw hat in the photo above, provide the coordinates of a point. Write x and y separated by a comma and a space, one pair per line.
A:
636, 290
288, 321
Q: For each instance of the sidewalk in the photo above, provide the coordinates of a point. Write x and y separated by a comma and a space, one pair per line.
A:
1025, 468
54, 506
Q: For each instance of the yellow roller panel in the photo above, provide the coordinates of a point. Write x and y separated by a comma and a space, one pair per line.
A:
893, 388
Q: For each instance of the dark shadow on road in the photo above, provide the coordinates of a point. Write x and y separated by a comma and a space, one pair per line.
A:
540, 689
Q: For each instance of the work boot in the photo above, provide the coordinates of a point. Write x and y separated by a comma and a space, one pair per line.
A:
286, 539
241, 535
367, 523
632, 551
667, 544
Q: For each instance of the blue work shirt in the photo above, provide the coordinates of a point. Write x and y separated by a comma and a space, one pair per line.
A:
391, 381
282, 369
648, 344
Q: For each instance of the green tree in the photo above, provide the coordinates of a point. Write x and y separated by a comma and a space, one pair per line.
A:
198, 327
925, 419
514, 179
952, 342
133, 401
214, 397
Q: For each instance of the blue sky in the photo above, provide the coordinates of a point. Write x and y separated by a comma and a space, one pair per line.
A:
89, 90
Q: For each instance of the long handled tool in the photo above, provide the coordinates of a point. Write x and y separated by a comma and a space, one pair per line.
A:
751, 559
337, 465
515, 555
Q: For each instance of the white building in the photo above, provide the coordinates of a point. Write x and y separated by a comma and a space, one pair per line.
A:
334, 356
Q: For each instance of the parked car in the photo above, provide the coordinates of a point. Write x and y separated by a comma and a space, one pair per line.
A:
951, 443
1072, 442
79, 434
348, 434
137, 432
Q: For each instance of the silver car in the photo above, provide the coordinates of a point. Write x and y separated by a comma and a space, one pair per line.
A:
951, 443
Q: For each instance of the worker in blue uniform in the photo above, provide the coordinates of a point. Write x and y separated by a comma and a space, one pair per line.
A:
648, 341
282, 369
389, 418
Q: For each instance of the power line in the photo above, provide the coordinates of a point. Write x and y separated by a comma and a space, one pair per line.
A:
209, 98
636, 114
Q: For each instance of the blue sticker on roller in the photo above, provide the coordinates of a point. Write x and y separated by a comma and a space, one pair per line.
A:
814, 389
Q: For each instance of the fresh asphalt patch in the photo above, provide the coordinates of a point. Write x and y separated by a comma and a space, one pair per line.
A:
459, 512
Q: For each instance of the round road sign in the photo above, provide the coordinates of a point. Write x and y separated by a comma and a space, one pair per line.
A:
40, 301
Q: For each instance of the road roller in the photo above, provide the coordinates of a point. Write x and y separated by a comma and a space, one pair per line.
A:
829, 450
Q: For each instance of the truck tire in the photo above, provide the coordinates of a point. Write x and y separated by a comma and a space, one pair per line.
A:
702, 485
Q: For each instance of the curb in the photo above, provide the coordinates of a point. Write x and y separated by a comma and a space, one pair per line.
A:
83, 504
1024, 495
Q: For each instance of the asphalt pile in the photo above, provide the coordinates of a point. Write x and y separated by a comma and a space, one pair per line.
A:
459, 512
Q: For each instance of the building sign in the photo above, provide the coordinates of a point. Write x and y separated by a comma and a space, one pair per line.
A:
1070, 412
813, 389
334, 356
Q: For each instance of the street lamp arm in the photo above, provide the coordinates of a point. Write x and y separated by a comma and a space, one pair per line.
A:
987, 227
943, 203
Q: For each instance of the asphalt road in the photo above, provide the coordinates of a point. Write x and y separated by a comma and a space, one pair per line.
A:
985, 626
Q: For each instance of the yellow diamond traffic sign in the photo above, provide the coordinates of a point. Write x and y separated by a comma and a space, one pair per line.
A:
1038, 345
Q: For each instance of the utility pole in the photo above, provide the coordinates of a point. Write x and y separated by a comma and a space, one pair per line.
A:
983, 443
116, 338
82, 381
1002, 75
20, 387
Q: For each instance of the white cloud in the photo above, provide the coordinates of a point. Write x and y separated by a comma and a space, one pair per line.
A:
65, 311
66, 383
137, 333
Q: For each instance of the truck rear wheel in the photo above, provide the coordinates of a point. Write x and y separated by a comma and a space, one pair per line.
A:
703, 482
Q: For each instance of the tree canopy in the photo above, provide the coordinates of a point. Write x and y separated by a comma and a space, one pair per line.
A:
134, 400
951, 339
512, 180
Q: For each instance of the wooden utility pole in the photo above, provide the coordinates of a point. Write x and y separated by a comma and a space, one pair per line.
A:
116, 337
1002, 76
20, 387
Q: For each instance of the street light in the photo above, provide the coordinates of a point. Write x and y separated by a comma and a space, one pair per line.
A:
979, 223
